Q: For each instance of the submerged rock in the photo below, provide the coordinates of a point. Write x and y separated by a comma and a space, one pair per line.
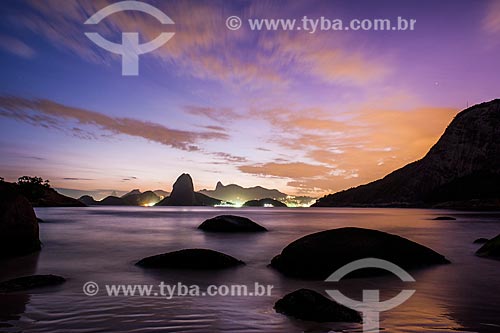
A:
190, 259
231, 223
18, 223
309, 305
491, 249
481, 240
444, 218
30, 282
318, 255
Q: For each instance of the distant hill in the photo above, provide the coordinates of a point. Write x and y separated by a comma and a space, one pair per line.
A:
183, 194
40, 194
267, 202
236, 193
133, 192
96, 194
133, 198
113, 201
161, 193
136, 198
88, 200
462, 170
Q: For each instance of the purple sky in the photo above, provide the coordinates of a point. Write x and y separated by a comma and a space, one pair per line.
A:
304, 113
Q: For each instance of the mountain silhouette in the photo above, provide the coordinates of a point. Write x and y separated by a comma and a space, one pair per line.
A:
183, 194
233, 192
462, 170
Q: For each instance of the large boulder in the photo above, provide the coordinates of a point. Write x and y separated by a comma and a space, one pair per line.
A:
190, 259
230, 223
309, 305
318, 255
18, 223
30, 282
490, 249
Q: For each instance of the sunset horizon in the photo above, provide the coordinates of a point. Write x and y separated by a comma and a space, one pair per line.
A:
310, 115
248, 166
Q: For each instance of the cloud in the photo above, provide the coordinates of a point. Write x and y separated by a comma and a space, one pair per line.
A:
78, 179
203, 47
286, 170
491, 22
219, 115
305, 119
331, 153
215, 128
16, 46
50, 114
331, 60
229, 157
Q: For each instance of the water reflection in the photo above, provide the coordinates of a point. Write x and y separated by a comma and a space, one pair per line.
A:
13, 305
102, 244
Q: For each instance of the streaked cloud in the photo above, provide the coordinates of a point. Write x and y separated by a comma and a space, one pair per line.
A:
286, 170
202, 46
491, 21
16, 46
335, 154
50, 114
219, 115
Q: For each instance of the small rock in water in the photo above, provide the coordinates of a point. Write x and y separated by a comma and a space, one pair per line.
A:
491, 249
190, 259
444, 218
231, 223
309, 305
30, 282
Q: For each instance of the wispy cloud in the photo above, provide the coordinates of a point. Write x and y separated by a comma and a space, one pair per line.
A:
219, 115
204, 48
491, 22
286, 170
230, 157
50, 114
77, 179
329, 154
16, 46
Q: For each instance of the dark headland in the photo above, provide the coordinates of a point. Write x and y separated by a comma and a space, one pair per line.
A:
461, 171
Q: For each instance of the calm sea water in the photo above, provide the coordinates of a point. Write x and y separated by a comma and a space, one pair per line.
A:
102, 244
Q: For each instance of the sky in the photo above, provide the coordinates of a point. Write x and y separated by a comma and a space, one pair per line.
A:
306, 113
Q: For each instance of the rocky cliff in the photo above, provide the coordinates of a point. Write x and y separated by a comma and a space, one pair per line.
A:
462, 170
